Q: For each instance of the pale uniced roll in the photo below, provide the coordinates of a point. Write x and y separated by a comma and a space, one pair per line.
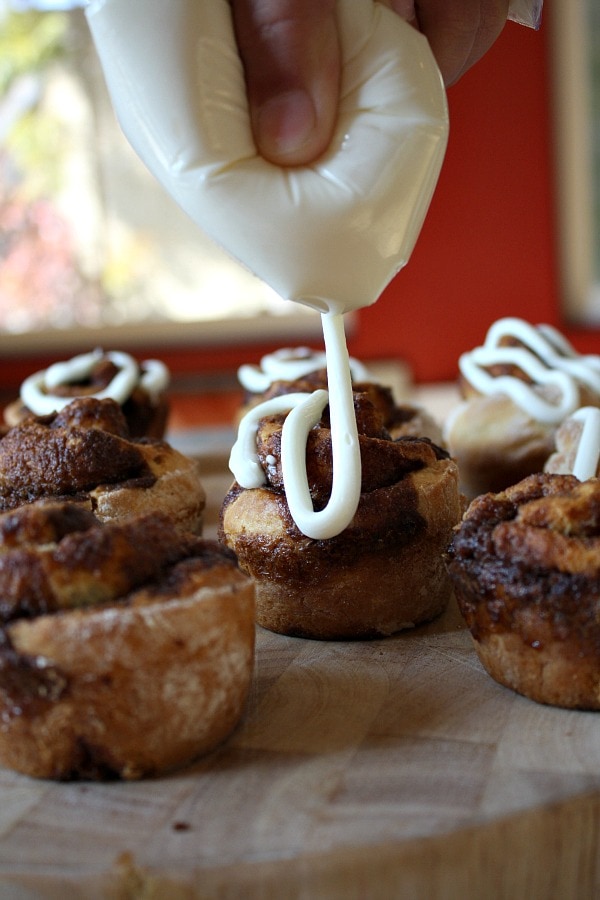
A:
331, 234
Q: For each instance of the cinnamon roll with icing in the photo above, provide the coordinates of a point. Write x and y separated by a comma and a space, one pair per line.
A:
303, 370
577, 445
85, 453
126, 649
525, 565
139, 388
518, 387
382, 573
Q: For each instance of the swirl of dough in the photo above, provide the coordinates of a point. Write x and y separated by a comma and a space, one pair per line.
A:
367, 579
125, 649
525, 564
400, 419
85, 565
85, 452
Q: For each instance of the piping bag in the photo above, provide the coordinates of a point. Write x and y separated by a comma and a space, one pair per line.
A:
330, 235
334, 232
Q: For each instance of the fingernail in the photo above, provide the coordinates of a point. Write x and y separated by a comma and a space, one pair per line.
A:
285, 124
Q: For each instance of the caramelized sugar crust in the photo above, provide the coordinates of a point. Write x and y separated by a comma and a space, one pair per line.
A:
125, 649
61, 559
73, 451
525, 564
86, 452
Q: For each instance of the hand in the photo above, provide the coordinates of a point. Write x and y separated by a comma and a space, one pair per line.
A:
459, 32
291, 56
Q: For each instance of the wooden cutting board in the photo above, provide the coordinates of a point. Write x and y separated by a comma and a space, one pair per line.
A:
391, 768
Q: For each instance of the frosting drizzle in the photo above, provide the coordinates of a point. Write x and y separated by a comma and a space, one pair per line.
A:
305, 410
546, 357
587, 457
37, 391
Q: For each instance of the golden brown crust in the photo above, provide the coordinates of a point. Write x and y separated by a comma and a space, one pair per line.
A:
84, 565
525, 564
146, 416
378, 579
85, 452
173, 486
551, 677
137, 685
385, 572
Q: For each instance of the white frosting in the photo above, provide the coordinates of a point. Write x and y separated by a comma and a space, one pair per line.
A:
345, 492
154, 377
332, 234
588, 451
547, 358
305, 410
37, 390
288, 364
551, 346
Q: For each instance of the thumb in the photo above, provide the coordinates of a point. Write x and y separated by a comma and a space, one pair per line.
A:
291, 57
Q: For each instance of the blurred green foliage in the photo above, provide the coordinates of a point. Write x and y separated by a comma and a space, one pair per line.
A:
28, 42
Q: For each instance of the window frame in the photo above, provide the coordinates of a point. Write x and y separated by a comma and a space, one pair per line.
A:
574, 170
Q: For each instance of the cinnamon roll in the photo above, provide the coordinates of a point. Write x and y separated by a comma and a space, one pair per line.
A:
525, 565
138, 388
125, 649
517, 388
385, 571
577, 445
301, 370
85, 452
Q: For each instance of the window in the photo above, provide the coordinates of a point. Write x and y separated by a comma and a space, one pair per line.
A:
91, 247
575, 28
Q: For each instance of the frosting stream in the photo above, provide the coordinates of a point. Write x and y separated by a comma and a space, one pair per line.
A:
305, 410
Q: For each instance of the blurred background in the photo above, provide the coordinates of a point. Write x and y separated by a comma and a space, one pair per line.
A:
94, 253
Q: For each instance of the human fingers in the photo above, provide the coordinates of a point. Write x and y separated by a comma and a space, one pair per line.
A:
459, 32
291, 57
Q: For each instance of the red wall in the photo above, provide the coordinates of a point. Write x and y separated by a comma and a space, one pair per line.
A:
487, 246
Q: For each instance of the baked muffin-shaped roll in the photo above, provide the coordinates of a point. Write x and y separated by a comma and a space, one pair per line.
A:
85, 452
125, 650
525, 564
384, 572
517, 388
300, 370
140, 389
577, 445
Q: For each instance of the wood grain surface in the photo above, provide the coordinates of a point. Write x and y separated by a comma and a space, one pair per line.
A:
389, 768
